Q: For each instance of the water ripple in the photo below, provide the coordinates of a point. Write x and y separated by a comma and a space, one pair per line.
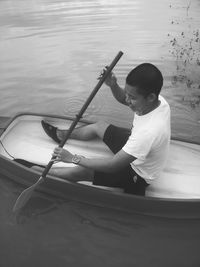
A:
53, 50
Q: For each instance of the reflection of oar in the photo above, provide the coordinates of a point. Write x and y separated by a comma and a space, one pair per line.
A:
26, 194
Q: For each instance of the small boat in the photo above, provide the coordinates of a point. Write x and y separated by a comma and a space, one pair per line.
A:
176, 194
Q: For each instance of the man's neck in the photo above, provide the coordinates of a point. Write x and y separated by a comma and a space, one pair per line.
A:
150, 108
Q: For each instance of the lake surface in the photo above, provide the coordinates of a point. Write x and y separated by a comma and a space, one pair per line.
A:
51, 53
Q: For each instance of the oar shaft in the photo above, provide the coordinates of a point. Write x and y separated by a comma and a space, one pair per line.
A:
86, 104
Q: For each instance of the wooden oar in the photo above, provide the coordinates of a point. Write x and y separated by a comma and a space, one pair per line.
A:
26, 194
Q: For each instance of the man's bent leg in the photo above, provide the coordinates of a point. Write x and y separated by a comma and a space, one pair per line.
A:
87, 132
73, 174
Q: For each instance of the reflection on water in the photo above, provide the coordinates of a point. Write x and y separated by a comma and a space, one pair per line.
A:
74, 234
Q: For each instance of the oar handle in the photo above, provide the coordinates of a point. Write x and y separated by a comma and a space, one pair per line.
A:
86, 104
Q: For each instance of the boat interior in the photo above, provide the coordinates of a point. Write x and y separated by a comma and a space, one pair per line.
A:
25, 139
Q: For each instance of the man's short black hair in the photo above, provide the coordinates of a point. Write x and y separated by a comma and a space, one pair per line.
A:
147, 78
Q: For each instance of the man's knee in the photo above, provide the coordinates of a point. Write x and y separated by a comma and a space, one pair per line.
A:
100, 128
80, 173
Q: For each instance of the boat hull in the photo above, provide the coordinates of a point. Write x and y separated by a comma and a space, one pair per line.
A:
151, 206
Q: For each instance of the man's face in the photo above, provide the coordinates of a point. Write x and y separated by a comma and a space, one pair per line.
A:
138, 103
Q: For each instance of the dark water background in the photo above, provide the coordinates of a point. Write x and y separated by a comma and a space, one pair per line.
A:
51, 52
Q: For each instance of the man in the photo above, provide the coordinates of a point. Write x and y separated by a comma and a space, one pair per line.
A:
139, 155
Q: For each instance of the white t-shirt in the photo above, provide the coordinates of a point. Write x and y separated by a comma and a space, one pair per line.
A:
149, 141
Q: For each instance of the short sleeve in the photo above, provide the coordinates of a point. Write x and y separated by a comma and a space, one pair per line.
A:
139, 144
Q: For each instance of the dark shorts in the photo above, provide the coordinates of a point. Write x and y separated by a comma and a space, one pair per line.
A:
115, 138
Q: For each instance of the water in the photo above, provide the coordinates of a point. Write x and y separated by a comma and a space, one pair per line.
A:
51, 53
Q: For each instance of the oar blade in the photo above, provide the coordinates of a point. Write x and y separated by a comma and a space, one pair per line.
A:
26, 195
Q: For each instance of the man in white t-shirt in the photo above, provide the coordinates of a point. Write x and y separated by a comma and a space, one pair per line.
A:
139, 154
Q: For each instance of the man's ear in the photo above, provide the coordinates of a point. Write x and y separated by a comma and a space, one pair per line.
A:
152, 97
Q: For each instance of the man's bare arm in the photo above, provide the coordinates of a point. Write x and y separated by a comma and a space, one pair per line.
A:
108, 164
117, 91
